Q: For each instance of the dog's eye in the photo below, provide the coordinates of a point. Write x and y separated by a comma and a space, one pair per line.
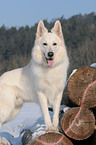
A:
45, 44
54, 44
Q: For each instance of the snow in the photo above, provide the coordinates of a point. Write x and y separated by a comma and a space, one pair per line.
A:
26, 119
30, 117
93, 65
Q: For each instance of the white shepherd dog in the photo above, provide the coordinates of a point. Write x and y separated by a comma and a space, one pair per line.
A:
41, 81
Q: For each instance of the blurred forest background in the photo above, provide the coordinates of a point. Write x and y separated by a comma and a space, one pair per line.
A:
79, 34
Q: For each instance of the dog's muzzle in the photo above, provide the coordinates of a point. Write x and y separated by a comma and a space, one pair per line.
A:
50, 58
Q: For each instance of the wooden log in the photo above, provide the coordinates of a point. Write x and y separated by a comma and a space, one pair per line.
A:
52, 138
82, 87
95, 127
78, 123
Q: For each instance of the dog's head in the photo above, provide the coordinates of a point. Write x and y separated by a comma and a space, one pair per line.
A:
49, 46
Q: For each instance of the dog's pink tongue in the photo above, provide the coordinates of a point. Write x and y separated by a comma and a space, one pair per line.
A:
50, 62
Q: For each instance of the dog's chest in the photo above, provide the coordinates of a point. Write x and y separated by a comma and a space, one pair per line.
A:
50, 80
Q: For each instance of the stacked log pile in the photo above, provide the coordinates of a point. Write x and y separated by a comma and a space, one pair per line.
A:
78, 123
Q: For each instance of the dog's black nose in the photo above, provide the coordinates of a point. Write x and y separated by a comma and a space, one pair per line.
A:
50, 54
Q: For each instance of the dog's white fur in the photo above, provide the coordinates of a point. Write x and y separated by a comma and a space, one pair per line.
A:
37, 82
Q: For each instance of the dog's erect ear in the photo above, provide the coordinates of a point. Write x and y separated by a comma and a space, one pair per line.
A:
57, 29
40, 29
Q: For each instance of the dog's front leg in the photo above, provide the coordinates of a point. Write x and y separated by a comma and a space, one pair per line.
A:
44, 107
56, 107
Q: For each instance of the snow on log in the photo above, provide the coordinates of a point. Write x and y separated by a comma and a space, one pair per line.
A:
82, 87
78, 123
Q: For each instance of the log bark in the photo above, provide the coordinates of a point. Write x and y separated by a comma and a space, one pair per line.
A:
78, 123
82, 87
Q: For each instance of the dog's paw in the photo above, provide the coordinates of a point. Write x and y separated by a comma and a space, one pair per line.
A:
55, 128
49, 128
52, 128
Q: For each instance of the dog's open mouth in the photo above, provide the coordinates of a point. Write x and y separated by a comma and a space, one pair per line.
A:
50, 62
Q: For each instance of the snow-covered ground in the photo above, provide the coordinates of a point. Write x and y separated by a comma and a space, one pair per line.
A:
30, 117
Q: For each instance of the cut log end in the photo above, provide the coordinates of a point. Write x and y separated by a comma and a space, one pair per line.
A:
95, 127
82, 87
78, 123
52, 138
